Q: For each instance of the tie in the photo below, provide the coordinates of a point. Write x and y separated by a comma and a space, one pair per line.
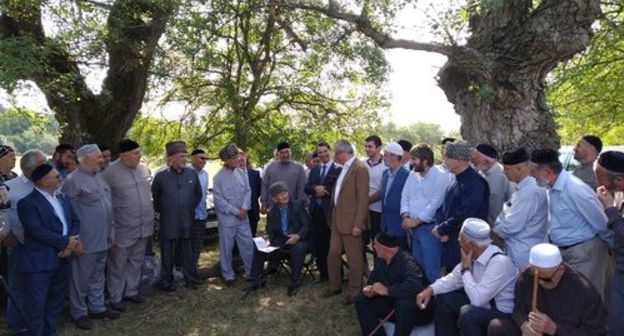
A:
323, 173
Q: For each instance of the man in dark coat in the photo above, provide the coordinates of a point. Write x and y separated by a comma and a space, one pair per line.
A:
255, 184
321, 182
50, 237
176, 192
288, 224
567, 303
468, 197
393, 284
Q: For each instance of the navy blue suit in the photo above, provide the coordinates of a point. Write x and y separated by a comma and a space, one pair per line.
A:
45, 274
391, 203
468, 197
255, 183
319, 210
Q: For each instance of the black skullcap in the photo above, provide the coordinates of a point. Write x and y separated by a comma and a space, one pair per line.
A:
4, 150
102, 147
40, 172
512, 158
282, 145
127, 145
405, 145
278, 188
612, 161
594, 141
387, 239
198, 151
487, 150
445, 140
544, 156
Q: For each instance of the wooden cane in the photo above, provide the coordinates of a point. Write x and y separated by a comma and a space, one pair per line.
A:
535, 284
382, 323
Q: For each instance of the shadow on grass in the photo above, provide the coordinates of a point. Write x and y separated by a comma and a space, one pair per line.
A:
214, 309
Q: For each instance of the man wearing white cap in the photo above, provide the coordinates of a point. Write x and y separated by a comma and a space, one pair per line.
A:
479, 289
392, 183
90, 196
566, 303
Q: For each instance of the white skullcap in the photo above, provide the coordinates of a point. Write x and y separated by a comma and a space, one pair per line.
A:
86, 150
394, 148
475, 228
545, 256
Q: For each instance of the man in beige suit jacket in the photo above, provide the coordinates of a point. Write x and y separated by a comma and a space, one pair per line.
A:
347, 219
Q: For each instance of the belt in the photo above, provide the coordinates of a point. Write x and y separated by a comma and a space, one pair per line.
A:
567, 247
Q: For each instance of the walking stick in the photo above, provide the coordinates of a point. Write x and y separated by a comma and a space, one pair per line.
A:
380, 325
535, 284
20, 312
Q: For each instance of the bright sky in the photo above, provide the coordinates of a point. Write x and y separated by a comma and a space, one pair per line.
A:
415, 95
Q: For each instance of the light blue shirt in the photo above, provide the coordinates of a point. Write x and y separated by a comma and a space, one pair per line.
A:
523, 221
423, 195
57, 206
19, 188
576, 214
201, 212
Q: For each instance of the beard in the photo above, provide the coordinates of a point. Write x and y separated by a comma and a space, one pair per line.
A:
542, 183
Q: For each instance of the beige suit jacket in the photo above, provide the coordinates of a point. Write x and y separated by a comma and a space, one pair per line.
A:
351, 208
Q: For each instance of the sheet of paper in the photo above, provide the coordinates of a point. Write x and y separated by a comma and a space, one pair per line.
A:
263, 245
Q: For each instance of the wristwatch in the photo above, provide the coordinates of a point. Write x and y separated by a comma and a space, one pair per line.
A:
464, 270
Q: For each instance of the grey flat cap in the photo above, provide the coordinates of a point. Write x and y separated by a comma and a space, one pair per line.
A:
228, 152
459, 150
278, 188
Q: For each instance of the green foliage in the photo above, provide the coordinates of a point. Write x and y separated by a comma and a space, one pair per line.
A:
587, 93
415, 133
24, 129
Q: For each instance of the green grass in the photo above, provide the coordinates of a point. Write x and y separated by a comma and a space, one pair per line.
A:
214, 309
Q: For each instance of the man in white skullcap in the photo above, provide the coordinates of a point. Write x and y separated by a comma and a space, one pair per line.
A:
90, 196
479, 289
566, 302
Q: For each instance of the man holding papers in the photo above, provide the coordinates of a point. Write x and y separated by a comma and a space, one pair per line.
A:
288, 223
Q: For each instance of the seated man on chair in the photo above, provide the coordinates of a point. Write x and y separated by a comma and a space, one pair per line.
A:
394, 282
288, 223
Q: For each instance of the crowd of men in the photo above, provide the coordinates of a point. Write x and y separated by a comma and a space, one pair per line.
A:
479, 244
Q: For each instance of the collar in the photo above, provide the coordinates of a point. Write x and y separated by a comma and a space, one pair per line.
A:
560, 181
487, 254
373, 164
527, 181
492, 169
25, 179
46, 194
348, 163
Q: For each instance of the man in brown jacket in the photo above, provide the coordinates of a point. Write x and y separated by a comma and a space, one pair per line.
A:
347, 220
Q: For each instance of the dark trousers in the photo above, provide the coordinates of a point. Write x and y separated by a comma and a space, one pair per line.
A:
16, 287
451, 255
454, 315
167, 259
503, 327
254, 218
198, 232
374, 218
296, 253
43, 298
320, 240
370, 312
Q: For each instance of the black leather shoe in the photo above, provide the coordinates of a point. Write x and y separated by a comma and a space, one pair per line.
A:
230, 283
108, 314
292, 290
84, 323
118, 306
166, 287
135, 298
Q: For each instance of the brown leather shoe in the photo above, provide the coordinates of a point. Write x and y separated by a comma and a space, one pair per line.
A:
329, 293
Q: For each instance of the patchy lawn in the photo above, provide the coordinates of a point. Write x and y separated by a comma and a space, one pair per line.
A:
214, 309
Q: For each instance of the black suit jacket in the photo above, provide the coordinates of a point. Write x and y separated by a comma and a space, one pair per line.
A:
298, 223
314, 179
255, 183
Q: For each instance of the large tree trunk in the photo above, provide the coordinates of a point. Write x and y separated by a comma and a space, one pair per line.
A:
498, 88
134, 28
496, 80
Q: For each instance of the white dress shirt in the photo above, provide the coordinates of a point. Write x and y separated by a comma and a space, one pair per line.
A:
490, 277
57, 206
345, 169
375, 171
423, 195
